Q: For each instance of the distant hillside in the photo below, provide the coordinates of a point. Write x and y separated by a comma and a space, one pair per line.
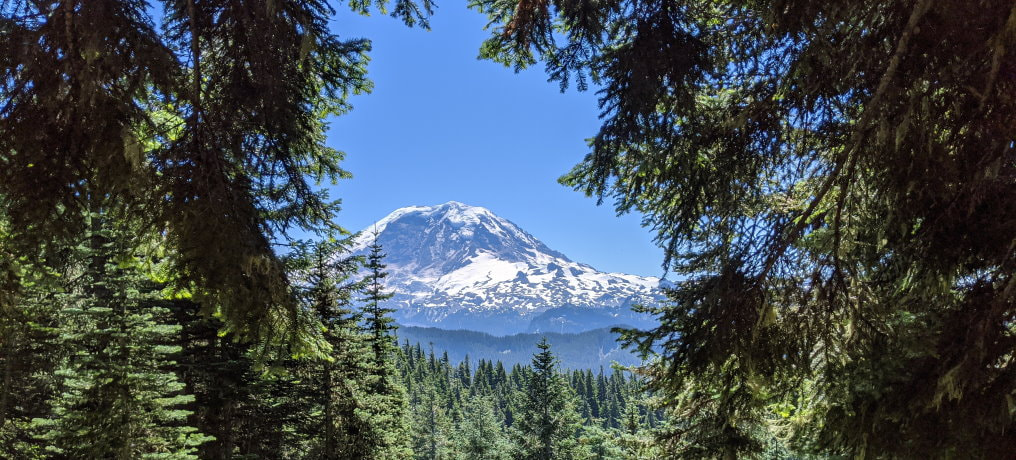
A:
585, 350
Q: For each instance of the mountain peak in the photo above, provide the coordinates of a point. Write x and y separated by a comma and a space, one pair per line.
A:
452, 258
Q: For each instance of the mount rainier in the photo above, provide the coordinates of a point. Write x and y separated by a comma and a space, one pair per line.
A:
455, 266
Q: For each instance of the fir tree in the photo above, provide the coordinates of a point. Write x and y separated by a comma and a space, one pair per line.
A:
118, 399
432, 428
385, 406
834, 181
242, 408
98, 100
598, 443
546, 423
333, 389
481, 435
29, 354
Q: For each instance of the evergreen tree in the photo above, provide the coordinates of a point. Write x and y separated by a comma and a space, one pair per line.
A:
546, 423
451, 421
385, 406
332, 390
377, 317
597, 443
835, 182
209, 130
118, 399
432, 438
29, 354
481, 435
242, 408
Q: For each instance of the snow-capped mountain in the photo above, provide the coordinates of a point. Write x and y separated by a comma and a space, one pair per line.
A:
456, 266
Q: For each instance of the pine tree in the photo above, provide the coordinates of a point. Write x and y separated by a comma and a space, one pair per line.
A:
118, 399
432, 428
386, 405
332, 391
546, 423
98, 100
29, 354
481, 435
835, 182
598, 443
243, 409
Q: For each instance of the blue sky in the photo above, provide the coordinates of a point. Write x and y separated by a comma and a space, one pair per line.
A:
442, 125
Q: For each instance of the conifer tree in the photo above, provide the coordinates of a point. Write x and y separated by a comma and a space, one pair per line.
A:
332, 389
29, 354
242, 408
386, 406
118, 400
546, 422
432, 428
598, 443
835, 183
481, 435
210, 129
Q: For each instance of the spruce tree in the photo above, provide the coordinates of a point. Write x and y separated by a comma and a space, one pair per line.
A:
29, 355
385, 404
432, 427
546, 422
246, 411
481, 435
333, 389
835, 182
118, 399
209, 130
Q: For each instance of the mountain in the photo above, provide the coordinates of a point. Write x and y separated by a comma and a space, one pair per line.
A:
456, 266
585, 350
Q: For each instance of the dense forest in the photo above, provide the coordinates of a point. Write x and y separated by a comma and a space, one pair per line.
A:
583, 350
834, 183
117, 365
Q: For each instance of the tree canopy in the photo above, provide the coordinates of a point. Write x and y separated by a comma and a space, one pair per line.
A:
209, 129
835, 185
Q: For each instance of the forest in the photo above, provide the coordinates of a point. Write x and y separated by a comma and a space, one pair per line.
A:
109, 362
832, 183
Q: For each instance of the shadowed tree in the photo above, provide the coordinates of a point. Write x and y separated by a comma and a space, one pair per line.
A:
210, 129
835, 184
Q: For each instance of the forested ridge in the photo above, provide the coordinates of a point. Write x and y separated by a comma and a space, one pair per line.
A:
833, 182
119, 366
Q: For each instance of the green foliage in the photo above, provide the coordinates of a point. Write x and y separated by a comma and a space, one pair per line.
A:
242, 408
209, 131
116, 398
29, 354
546, 421
461, 411
481, 434
386, 405
833, 182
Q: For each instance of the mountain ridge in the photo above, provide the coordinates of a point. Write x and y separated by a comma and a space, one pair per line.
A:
583, 350
456, 266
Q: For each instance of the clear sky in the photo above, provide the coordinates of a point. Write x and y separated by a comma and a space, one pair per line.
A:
442, 125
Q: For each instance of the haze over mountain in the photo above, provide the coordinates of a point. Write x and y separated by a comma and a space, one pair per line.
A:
455, 266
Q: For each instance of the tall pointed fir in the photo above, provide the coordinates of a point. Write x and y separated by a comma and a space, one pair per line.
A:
332, 389
547, 421
386, 404
118, 399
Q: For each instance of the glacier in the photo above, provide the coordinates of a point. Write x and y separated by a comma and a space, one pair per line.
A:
456, 266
